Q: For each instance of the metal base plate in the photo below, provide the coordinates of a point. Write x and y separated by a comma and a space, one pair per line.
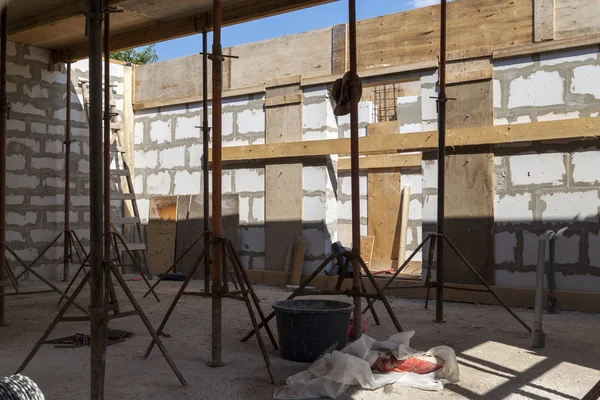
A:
215, 364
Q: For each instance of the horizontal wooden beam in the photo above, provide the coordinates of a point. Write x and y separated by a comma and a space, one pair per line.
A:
383, 161
548, 46
231, 15
580, 128
68, 9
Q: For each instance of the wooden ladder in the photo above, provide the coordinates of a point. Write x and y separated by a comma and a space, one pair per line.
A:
123, 190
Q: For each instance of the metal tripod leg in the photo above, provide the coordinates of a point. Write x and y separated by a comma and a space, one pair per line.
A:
81, 268
488, 287
370, 304
294, 294
429, 266
176, 300
61, 313
236, 268
256, 300
382, 297
118, 236
147, 323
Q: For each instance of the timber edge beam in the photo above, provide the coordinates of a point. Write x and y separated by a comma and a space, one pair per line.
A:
575, 129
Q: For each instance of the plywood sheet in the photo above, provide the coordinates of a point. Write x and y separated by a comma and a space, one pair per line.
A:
413, 36
367, 244
470, 188
543, 18
162, 227
283, 182
384, 202
190, 227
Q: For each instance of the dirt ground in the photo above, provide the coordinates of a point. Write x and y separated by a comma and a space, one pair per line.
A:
495, 357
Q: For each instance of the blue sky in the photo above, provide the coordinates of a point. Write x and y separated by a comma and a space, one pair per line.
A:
287, 24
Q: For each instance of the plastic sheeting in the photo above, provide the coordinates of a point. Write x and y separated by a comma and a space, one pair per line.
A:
334, 373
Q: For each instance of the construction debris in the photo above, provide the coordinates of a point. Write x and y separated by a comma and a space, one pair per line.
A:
81, 340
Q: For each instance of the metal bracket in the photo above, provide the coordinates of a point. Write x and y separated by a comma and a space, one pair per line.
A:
208, 129
438, 100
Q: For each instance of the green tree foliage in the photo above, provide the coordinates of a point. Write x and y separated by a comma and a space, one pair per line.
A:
141, 56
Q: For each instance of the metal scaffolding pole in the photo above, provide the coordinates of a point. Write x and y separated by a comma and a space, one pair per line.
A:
217, 265
439, 292
98, 324
354, 164
3, 117
67, 240
205, 138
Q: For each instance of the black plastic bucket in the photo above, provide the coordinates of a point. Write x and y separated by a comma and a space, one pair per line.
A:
307, 327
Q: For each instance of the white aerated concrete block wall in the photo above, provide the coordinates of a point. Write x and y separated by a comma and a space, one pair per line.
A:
319, 179
546, 186
35, 184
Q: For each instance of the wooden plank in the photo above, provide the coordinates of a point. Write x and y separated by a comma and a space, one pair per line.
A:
298, 255
338, 49
367, 244
162, 228
283, 100
543, 20
384, 201
544, 47
283, 81
573, 129
474, 23
287, 267
190, 227
469, 208
470, 52
283, 182
576, 18
466, 71
383, 161
514, 297
404, 204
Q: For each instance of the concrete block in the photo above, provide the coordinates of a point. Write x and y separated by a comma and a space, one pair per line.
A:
160, 131
26, 108
226, 182
513, 63
505, 247
415, 210
430, 174
144, 209
11, 49
158, 183
187, 183
185, 128
318, 243
11, 87
54, 76
315, 91
313, 208
557, 117
568, 56
593, 246
146, 159
138, 183
573, 206
35, 91
244, 209
363, 184
344, 210
585, 166
28, 254
415, 180
173, 110
13, 69
195, 155
18, 181
586, 80
12, 237
252, 240
410, 128
430, 208
314, 179
15, 162
53, 146
314, 116
539, 89
56, 164
12, 199
59, 216
258, 209
513, 208
567, 248
42, 235
364, 208
56, 183
538, 169
250, 121
428, 105
21, 219
172, 157
497, 94
138, 136
16, 125
249, 180
345, 185
259, 263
